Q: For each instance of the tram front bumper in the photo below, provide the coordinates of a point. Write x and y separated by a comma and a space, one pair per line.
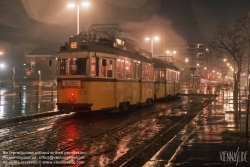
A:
74, 105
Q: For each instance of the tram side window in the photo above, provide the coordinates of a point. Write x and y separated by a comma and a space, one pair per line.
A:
167, 75
160, 76
106, 71
147, 72
73, 66
170, 76
81, 66
157, 75
128, 70
174, 76
177, 76
93, 66
109, 68
135, 70
151, 73
143, 72
120, 68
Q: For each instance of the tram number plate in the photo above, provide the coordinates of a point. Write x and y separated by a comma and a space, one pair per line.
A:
71, 83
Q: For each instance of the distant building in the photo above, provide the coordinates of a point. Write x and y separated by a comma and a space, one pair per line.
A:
191, 56
39, 60
197, 55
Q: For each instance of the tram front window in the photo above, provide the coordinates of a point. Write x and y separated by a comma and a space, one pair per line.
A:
73, 66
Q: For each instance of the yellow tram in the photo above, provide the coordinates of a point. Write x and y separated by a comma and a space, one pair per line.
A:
100, 74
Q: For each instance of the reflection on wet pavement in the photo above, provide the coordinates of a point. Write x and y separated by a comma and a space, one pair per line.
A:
200, 142
75, 132
31, 101
103, 146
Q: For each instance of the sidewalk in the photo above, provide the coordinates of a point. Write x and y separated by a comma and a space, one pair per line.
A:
200, 143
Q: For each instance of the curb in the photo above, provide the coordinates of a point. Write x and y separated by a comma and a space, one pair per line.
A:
27, 117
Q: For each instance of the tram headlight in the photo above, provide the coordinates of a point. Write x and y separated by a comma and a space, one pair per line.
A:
72, 98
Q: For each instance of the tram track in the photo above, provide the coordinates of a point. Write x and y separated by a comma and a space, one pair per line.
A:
123, 159
51, 119
121, 127
134, 120
47, 128
145, 151
19, 131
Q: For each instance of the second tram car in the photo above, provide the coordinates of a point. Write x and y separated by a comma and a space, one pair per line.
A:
100, 74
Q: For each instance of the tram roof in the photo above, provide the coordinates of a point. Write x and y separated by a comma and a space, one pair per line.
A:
95, 47
158, 63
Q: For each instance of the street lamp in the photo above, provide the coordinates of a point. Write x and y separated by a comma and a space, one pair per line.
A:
71, 5
171, 53
152, 42
1, 67
1, 53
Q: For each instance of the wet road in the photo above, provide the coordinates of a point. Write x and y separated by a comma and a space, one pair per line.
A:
200, 142
103, 140
33, 100
99, 140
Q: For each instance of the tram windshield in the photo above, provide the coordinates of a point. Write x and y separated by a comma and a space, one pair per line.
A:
73, 66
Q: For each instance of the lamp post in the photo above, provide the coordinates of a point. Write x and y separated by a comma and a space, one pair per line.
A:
152, 43
1, 66
71, 5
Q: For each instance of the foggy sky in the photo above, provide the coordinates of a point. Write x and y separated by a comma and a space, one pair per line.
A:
178, 20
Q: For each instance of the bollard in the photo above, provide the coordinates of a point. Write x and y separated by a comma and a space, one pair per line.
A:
51, 93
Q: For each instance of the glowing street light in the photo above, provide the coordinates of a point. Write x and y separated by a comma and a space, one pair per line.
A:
1, 53
152, 42
170, 53
72, 5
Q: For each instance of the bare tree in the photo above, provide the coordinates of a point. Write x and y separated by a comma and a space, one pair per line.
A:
231, 42
244, 24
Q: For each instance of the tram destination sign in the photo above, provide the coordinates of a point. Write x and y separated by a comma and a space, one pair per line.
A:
71, 83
